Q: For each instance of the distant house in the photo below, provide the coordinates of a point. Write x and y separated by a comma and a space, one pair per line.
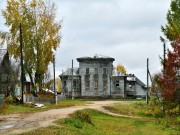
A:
4, 73
97, 77
67, 82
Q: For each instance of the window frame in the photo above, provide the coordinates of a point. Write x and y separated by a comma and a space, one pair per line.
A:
96, 85
87, 71
105, 86
104, 73
87, 87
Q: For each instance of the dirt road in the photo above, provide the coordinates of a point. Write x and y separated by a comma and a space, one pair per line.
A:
18, 123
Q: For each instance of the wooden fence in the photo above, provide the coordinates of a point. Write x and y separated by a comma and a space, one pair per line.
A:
44, 100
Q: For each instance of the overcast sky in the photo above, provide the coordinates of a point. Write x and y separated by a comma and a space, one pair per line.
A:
127, 30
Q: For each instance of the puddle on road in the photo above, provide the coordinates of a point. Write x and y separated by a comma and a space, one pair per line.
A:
6, 127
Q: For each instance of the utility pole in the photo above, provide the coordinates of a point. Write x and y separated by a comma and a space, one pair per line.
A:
72, 90
147, 95
62, 85
22, 69
164, 68
164, 63
55, 92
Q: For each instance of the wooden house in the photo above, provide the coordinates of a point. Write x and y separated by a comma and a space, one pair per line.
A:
96, 76
4, 74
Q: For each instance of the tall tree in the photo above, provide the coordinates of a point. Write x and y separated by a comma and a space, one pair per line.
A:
171, 79
172, 29
171, 32
41, 34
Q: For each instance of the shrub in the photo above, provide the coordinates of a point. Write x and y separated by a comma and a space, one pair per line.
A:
9, 100
173, 111
84, 117
76, 122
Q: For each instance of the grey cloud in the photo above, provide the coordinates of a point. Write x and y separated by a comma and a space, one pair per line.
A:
127, 30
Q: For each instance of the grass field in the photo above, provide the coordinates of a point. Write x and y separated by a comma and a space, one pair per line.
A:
25, 108
92, 122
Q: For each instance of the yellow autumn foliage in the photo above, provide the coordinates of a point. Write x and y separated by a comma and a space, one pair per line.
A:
120, 68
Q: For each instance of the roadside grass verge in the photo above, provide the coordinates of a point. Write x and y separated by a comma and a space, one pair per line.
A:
151, 112
26, 108
111, 99
131, 99
93, 122
142, 109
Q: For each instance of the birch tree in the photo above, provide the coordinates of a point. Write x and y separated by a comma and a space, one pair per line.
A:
41, 34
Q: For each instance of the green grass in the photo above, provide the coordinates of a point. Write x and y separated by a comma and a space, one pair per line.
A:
142, 109
104, 124
137, 100
25, 108
149, 112
115, 99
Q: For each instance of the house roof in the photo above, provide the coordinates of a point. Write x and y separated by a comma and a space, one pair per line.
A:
3, 52
95, 57
68, 72
130, 77
140, 82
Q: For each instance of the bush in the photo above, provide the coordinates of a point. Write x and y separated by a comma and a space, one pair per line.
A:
9, 100
76, 122
84, 117
173, 111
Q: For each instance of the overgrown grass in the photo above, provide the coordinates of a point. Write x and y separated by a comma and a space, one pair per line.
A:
131, 99
25, 108
107, 99
104, 124
142, 109
151, 112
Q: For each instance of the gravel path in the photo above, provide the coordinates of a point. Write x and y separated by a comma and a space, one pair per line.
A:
18, 123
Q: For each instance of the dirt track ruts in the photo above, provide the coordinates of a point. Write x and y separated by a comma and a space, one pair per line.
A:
26, 122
